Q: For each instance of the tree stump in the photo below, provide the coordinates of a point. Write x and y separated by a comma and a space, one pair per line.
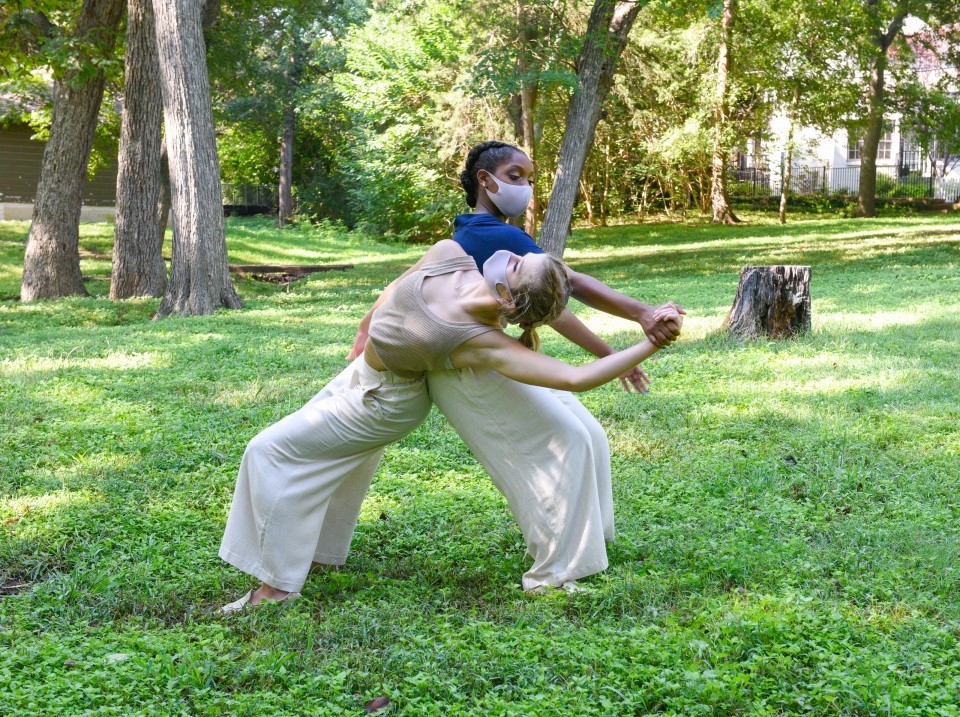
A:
772, 301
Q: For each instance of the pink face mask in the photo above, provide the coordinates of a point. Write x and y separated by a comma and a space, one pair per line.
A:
495, 274
511, 199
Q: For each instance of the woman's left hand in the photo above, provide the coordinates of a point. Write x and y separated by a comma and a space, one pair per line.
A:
635, 380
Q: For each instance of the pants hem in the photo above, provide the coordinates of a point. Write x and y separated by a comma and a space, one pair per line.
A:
256, 569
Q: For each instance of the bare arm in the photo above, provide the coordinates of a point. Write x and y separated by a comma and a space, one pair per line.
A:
573, 329
497, 351
595, 294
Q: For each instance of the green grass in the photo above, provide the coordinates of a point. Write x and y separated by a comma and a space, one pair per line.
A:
787, 512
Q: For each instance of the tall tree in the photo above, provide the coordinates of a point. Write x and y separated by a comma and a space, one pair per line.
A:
807, 70
607, 32
722, 213
527, 55
199, 277
529, 35
884, 26
51, 265
138, 266
272, 65
881, 29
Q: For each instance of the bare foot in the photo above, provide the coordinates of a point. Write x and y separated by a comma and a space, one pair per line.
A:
267, 592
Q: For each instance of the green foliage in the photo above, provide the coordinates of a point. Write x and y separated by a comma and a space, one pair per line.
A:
786, 511
244, 157
400, 90
281, 58
930, 114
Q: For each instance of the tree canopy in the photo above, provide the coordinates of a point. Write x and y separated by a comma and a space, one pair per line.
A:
363, 110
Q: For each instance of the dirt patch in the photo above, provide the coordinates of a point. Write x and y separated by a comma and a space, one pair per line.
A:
277, 278
12, 587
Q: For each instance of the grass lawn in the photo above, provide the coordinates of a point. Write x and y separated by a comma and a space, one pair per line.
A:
787, 512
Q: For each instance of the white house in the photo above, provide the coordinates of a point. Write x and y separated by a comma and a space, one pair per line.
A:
824, 163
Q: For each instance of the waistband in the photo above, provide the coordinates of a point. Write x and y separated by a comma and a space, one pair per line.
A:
368, 373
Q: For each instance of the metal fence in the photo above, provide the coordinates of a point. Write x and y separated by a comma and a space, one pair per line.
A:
244, 199
892, 182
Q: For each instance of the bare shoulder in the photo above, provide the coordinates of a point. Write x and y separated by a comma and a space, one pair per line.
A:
445, 249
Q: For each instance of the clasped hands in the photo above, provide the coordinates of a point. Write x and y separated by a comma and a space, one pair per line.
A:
662, 327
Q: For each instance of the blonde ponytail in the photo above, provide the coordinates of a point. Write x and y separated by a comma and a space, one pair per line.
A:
530, 339
539, 300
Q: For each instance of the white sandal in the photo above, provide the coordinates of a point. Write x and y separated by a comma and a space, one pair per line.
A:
241, 604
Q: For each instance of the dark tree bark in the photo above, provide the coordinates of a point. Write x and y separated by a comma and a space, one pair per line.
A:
163, 201
51, 264
199, 277
138, 267
288, 127
528, 102
722, 213
772, 301
881, 39
607, 31
529, 36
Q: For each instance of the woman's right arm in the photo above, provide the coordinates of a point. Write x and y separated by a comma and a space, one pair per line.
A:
503, 354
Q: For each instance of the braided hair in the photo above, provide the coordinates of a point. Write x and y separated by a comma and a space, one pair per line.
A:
538, 300
487, 156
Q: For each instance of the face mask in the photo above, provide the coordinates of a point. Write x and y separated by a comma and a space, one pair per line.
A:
495, 273
511, 199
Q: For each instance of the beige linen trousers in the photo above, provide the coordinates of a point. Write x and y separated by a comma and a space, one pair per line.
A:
548, 456
303, 479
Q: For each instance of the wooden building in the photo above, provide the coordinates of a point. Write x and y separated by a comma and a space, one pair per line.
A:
20, 160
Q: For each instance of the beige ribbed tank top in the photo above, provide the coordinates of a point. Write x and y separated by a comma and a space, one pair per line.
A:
411, 339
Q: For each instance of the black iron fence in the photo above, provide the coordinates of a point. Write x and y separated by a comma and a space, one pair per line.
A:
247, 199
892, 182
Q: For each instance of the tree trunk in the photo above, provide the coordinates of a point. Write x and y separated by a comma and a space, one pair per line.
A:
138, 267
163, 201
722, 213
772, 301
286, 166
51, 264
528, 101
788, 167
607, 31
587, 200
876, 101
867, 191
199, 276
529, 36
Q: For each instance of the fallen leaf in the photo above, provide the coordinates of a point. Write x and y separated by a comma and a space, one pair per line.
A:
377, 703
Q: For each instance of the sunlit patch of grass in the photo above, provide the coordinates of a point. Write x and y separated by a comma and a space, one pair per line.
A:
30, 515
115, 360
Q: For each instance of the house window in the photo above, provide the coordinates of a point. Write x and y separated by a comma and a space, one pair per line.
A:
885, 150
853, 151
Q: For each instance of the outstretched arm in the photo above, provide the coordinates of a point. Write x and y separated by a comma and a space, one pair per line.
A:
497, 351
573, 329
595, 294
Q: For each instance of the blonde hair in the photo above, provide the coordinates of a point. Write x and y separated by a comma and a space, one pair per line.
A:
538, 300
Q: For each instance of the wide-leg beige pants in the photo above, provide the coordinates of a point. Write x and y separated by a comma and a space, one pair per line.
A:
303, 479
549, 457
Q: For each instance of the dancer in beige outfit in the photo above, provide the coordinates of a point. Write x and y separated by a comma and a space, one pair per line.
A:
537, 442
301, 480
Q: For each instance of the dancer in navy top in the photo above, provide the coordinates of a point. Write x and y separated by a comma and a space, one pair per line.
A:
541, 447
